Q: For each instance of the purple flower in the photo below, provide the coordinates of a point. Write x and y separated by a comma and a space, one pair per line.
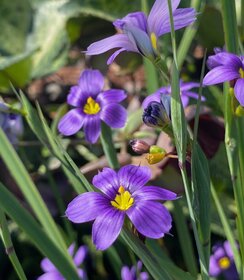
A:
185, 89
51, 272
140, 33
222, 261
226, 67
11, 124
123, 193
132, 273
92, 106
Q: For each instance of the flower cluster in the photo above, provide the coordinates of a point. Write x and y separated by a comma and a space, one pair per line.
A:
93, 105
122, 194
51, 272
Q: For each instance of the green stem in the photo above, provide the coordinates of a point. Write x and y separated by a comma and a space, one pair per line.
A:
184, 238
227, 229
5, 235
108, 146
204, 270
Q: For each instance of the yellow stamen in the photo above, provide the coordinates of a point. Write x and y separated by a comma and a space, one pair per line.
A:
153, 38
123, 201
224, 263
241, 71
91, 107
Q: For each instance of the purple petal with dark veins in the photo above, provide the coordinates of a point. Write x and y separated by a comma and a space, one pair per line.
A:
74, 97
159, 14
224, 59
92, 128
137, 19
112, 42
86, 207
107, 182
111, 96
134, 177
71, 122
154, 193
220, 74
107, 227
91, 82
239, 91
182, 18
114, 115
150, 218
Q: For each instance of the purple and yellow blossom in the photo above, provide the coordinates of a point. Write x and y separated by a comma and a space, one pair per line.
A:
140, 33
93, 105
185, 90
51, 272
134, 273
225, 67
123, 193
11, 124
222, 262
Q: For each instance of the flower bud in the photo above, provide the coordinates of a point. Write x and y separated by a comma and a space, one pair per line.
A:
139, 146
156, 154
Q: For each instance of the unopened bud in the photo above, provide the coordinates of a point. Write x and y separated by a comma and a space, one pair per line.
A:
139, 146
156, 154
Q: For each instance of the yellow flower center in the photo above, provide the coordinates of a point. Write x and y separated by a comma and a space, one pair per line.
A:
241, 71
91, 107
123, 201
224, 263
153, 38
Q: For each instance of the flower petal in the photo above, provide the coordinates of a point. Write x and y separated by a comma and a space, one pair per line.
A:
112, 42
111, 96
114, 55
137, 19
91, 82
92, 128
52, 275
71, 249
150, 218
71, 122
80, 255
152, 97
47, 265
134, 177
185, 100
107, 227
159, 14
74, 97
220, 74
224, 59
154, 193
214, 269
184, 86
114, 115
107, 182
182, 18
126, 273
228, 249
86, 207
239, 91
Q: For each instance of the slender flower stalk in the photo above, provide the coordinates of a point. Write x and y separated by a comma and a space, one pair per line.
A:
93, 105
123, 194
139, 33
51, 272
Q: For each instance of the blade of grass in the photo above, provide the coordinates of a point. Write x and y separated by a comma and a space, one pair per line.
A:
54, 252
29, 190
108, 146
9, 248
